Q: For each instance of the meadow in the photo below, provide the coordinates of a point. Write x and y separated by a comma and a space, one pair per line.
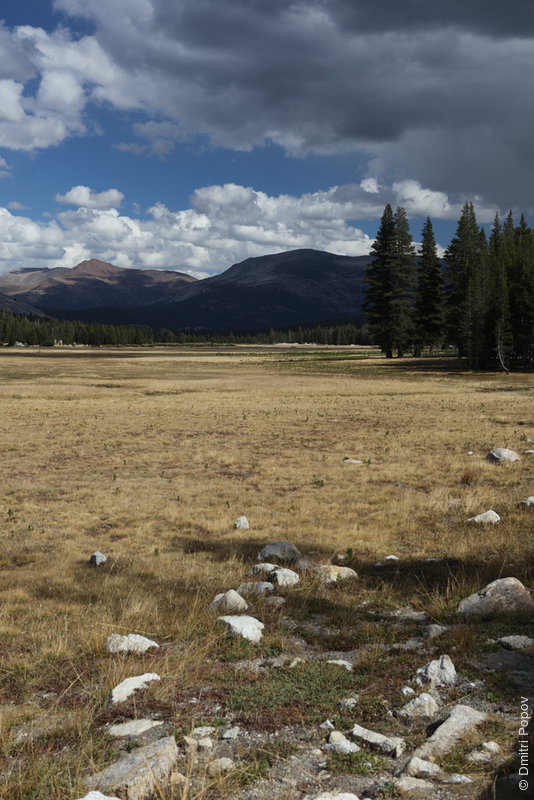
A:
150, 455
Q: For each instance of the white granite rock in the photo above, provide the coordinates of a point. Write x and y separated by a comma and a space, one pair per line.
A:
132, 643
334, 795
500, 455
230, 601
412, 786
528, 502
348, 703
251, 588
126, 688
241, 524
137, 775
279, 551
231, 733
220, 766
98, 796
422, 707
203, 731
134, 727
242, 625
516, 642
390, 745
352, 461
418, 768
503, 596
487, 518
462, 719
435, 630
341, 662
262, 569
440, 672
338, 743
273, 601
97, 559
329, 573
283, 577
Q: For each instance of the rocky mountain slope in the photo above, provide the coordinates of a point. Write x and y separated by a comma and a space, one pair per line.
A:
292, 288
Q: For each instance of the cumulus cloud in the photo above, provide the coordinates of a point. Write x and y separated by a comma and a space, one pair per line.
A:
84, 196
14, 205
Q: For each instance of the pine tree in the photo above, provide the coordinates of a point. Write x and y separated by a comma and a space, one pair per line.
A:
430, 298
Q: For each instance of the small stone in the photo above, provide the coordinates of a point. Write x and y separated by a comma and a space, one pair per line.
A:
503, 596
203, 730
137, 775
407, 691
528, 452
422, 707
327, 725
251, 588
487, 518
391, 558
205, 744
408, 614
241, 524
191, 745
491, 747
97, 559
440, 672
352, 461
98, 796
338, 743
456, 778
335, 795
348, 703
341, 663
406, 785
134, 727
435, 630
279, 551
231, 733
329, 573
132, 643
126, 688
500, 455
273, 601
263, 568
462, 719
389, 745
283, 577
230, 601
516, 642
220, 766
528, 502
243, 625
419, 768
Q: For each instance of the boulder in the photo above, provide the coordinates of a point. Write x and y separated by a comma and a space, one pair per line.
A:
141, 773
230, 601
97, 559
283, 552
516, 642
462, 720
283, 578
241, 524
243, 625
338, 743
389, 745
329, 573
132, 643
126, 688
501, 455
440, 672
134, 727
251, 588
418, 768
487, 518
422, 707
503, 596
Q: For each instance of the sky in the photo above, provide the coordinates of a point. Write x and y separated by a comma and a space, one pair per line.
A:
192, 134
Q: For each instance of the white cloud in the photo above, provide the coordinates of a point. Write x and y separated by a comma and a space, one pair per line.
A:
14, 205
84, 196
5, 168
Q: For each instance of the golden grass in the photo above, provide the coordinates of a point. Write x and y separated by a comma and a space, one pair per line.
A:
149, 456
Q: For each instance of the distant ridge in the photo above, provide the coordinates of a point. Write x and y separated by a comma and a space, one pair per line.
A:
296, 287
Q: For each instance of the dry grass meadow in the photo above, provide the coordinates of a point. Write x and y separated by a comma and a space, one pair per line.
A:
149, 456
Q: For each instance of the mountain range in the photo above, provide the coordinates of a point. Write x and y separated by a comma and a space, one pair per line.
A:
291, 288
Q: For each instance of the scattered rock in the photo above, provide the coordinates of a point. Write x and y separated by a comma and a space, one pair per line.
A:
98, 796
243, 625
335, 795
275, 602
126, 688
283, 577
230, 601
352, 461
440, 672
516, 642
338, 743
407, 691
528, 452
487, 518
419, 768
135, 727
139, 774
408, 785
341, 662
203, 731
422, 707
205, 744
462, 719
391, 558
251, 588
500, 455
220, 767
263, 568
349, 703
407, 614
435, 630
456, 778
279, 551
389, 745
132, 643
329, 573
231, 733
528, 502
241, 524
97, 559
503, 596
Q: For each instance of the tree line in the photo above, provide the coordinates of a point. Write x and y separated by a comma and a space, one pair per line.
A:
479, 300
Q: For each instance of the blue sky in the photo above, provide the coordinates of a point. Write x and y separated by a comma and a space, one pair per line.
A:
191, 134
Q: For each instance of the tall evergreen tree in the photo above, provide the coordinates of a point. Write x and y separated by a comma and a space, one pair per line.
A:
430, 297
389, 301
498, 340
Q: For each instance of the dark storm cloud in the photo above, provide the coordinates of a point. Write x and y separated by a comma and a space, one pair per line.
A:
440, 92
